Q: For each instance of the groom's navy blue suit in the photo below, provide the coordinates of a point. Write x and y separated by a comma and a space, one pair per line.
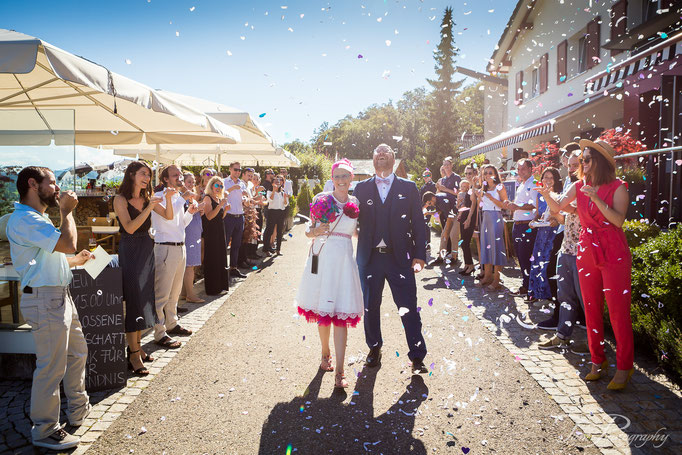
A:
399, 222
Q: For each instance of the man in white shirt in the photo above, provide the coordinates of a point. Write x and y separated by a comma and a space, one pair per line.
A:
234, 220
37, 249
169, 256
523, 207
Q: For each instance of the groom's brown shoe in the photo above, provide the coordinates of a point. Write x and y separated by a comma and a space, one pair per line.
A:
373, 358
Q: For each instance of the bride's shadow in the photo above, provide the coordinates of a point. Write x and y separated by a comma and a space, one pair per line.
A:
322, 425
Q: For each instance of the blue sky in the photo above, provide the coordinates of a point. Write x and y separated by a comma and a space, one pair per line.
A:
297, 62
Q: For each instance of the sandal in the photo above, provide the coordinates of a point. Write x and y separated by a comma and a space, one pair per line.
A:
145, 358
326, 363
340, 381
142, 371
168, 343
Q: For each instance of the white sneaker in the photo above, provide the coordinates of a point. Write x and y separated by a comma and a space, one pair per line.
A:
59, 440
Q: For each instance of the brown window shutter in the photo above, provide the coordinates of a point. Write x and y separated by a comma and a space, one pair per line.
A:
519, 87
543, 73
619, 23
561, 57
593, 42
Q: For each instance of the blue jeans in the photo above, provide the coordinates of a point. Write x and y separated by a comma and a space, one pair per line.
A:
568, 294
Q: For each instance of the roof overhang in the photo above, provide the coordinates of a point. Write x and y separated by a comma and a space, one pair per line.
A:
500, 61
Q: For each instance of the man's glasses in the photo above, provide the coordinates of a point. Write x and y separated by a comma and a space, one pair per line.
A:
237, 169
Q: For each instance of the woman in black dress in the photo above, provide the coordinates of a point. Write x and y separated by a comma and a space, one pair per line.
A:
216, 274
133, 206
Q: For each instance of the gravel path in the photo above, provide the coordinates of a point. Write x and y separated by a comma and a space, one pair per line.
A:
248, 382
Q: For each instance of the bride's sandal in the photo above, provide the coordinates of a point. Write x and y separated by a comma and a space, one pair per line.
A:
326, 364
340, 381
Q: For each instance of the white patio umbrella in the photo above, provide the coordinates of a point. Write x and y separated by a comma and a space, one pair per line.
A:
201, 155
38, 82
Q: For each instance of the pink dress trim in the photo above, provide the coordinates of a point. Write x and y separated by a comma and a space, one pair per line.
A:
338, 319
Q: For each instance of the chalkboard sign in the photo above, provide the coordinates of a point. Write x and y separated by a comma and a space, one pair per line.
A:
100, 310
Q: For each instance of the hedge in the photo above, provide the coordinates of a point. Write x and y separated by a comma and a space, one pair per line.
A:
656, 290
638, 232
305, 197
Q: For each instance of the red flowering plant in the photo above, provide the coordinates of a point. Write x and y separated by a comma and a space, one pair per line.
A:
623, 143
546, 154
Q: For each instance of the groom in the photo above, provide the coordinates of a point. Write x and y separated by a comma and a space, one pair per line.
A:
391, 247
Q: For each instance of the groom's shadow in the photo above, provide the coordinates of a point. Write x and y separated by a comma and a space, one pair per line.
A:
313, 425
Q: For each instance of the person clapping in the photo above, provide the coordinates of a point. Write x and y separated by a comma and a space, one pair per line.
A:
38, 251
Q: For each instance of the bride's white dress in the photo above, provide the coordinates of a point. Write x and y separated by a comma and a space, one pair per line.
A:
332, 295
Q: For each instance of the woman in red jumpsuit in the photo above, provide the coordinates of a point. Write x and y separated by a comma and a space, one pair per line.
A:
604, 261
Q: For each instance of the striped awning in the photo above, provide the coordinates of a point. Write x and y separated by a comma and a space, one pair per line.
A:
645, 60
510, 137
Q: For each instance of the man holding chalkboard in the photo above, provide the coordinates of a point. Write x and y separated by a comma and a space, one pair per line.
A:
169, 256
38, 254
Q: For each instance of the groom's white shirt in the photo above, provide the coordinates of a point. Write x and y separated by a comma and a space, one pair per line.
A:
383, 189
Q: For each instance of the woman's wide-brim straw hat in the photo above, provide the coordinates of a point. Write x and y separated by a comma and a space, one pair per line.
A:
602, 147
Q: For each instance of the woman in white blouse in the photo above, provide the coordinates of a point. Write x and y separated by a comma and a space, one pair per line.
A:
277, 200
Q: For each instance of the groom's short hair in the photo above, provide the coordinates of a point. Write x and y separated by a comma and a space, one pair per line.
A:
380, 146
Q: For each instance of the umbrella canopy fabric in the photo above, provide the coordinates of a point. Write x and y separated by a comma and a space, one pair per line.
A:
205, 157
42, 81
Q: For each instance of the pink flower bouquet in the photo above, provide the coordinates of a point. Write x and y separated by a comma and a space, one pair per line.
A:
324, 210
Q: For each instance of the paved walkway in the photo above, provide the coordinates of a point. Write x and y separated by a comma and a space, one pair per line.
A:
247, 382
645, 418
15, 396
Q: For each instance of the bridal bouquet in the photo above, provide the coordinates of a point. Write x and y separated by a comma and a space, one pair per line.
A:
324, 210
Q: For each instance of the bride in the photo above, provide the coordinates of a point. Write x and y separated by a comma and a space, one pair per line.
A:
330, 292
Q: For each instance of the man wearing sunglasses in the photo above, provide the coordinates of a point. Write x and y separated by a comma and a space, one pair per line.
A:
235, 189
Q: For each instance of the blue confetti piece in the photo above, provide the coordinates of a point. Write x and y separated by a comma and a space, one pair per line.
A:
529, 230
262, 115
396, 354
254, 268
465, 318
431, 301
291, 235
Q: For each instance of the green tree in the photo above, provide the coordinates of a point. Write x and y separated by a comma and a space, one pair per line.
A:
469, 109
442, 114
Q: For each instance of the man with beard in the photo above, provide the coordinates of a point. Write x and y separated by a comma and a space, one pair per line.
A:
169, 256
391, 247
38, 254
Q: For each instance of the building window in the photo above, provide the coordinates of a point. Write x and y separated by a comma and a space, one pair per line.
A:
535, 87
582, 55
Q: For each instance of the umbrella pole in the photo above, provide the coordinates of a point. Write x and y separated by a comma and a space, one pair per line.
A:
218, 162
158, 157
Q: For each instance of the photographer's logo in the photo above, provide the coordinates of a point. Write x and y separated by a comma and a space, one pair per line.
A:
622, 423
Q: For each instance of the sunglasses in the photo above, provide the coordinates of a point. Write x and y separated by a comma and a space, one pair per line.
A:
586, 160
237, 169
217, 185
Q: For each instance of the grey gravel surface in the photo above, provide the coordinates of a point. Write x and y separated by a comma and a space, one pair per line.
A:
248, 382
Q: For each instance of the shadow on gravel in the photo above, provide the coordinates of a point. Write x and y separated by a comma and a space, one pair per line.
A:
313, 425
